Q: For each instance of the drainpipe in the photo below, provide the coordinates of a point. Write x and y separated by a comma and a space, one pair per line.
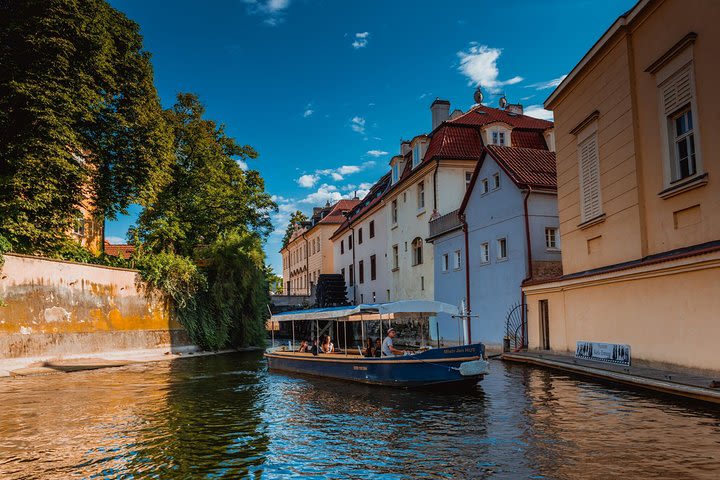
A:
467, 276
529, 274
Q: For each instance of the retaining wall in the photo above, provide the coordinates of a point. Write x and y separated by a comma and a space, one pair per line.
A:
52, 308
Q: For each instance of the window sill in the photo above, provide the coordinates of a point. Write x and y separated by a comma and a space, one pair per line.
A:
593, 221
482, 264
553, 250
500, 260
421, 212
457, 269
682, 186
394, 226
395, 269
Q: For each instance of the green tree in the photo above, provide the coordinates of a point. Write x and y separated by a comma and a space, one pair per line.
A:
209, 194
295, 220
79, 117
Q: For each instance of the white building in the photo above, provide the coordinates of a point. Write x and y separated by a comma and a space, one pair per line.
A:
360, 248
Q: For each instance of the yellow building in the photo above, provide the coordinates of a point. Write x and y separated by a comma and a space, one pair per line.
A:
309, 253
638, 167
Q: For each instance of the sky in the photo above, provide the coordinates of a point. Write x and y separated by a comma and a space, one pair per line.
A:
325, 89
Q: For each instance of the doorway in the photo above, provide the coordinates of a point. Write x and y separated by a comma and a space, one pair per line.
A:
544, 325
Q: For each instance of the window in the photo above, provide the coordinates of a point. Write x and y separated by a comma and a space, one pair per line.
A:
342, 272
372, 228
373, 270
421, 195
496, 181
468, 177
456, 260
552, 239
395, 173
498, 138
483, 186
362, 299
591, 203
342, 247
501, 138
359, 236
361, 271
495, 138
350, 242
683, 165
502, 249
373, 297
404, 197
393, 212
484, 253
422, 283
416, 155
387, 292
417, 251
395, 257
351, 269
445, 262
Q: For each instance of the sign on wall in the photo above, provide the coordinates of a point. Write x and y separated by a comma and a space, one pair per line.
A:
604, 352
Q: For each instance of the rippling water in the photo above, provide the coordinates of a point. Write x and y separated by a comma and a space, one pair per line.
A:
226, 416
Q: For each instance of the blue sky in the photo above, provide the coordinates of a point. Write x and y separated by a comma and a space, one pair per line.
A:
325, 89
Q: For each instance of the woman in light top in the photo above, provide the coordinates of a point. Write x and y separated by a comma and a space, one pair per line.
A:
327, 345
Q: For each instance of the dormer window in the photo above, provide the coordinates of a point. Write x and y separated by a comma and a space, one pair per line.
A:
416, 155
395, 173
498, 138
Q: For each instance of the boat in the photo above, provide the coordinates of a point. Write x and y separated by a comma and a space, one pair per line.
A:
460, 365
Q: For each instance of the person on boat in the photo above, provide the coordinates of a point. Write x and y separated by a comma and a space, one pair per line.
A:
327, 346
369, 349
377, 351
303, 347
388, 350
315, 350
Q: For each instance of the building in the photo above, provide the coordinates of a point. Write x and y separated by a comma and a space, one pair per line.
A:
360, 248
505, 231
309, 252
639, 191
119, 250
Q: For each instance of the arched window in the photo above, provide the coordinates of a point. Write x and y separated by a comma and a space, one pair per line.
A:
417, 254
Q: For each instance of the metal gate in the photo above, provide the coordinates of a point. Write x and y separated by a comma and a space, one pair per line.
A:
515, 327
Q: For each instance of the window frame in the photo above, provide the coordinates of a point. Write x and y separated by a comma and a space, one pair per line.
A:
484, 186
371, 227
496, 180
361, 272
394, 212
421, 195
360, 236
373, 267
417, 251
457, 260
589, 133
555, 237
484, 249
396, 256
501, 244
445, 262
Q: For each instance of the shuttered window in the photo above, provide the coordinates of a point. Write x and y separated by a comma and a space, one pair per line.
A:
590, 199
677, 91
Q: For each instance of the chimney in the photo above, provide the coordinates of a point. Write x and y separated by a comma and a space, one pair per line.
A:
440, 112
514, 108
316, 210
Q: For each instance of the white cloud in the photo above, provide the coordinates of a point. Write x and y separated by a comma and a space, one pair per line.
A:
277, 5
357, 123
361, 40
272, 10
479, 65
115, 240
377, 153
549, 84
308, 110
242, 164
325, 193
308, 181
348, 169
538, 111
336, 176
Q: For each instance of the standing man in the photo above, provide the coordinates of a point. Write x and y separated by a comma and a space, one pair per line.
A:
387, 346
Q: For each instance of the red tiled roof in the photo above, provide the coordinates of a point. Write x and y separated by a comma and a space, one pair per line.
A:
454, 141
528, 138
123, 251
483, 115
526, 166
369, 201
336, 213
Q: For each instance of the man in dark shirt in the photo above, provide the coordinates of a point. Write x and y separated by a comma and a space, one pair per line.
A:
315, 350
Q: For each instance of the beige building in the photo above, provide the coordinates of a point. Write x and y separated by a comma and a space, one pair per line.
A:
309, 253
638, 191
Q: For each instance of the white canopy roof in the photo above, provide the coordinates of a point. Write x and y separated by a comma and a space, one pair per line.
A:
392, 309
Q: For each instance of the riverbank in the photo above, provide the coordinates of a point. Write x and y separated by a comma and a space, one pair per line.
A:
30, 366
698, 385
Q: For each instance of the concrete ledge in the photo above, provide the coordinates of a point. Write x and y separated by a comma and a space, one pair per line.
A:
651, 379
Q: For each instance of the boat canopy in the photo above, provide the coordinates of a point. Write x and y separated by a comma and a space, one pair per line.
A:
370, 311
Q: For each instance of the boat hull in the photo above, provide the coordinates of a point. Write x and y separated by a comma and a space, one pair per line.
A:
431, 368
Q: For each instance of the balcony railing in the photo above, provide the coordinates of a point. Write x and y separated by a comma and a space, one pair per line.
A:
445, 223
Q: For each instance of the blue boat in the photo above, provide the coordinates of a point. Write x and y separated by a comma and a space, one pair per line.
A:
447, 366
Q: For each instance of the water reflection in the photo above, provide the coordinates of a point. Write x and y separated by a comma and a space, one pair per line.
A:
226, 416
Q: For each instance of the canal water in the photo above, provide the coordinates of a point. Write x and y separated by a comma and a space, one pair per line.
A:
226, 416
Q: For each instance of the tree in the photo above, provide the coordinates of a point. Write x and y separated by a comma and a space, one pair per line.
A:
296, 219
79, 118
209, 193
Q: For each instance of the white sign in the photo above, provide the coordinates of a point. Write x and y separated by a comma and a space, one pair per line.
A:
604, 352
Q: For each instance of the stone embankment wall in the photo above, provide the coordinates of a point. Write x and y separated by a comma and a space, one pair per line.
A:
51, 308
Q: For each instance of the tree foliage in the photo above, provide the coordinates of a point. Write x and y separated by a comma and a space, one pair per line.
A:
295, 219
79, 114
209, 194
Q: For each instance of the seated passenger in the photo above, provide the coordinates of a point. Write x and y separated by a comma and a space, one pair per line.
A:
377, 351
315, 350
327, 345
388, 350
368, 351
303, 347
